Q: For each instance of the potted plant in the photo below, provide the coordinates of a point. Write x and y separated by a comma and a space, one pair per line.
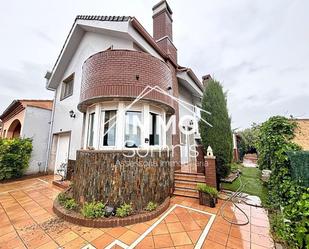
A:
207, 195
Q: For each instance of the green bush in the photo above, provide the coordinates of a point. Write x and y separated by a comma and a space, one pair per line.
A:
124, 210
151, 206
288, 200
207, 189
15, 155
67, 202
93, 210
219, 136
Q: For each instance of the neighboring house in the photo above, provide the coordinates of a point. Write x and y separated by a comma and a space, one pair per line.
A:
29, 119
302, 133
105, 63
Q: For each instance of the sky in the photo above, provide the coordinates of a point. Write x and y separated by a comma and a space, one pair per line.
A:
258, 50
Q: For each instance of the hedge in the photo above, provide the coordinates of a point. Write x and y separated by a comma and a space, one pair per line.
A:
299, 161
15, 155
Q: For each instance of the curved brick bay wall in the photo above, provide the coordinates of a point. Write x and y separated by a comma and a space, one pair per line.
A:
124, 74
112, 177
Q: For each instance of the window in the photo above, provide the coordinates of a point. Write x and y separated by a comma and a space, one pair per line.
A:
67, 87
133, 129
109, 128
91, 129
154, 129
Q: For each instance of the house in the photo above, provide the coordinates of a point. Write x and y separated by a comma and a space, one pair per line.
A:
106, 63
29, 119
302, 133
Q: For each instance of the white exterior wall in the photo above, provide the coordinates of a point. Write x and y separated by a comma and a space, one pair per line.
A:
186, 96
36, 126
90, 44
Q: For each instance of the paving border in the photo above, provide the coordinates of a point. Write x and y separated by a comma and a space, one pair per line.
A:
78, 219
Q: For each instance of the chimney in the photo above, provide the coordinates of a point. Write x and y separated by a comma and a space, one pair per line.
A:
163, 28
206, 78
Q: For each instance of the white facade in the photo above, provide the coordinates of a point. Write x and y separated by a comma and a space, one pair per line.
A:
36, 126
86, 39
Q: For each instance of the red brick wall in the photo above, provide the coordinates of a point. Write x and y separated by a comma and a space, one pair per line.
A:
210, 172
162, 25
124, 73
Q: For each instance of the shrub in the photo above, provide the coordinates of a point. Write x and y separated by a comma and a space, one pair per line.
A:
67, 202
288, 200
207, 189
151, 206
124, 210
93, 210
70, 204
15, 155
219, 136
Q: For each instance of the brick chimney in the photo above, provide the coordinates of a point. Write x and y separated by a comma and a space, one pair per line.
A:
205, 79
163, 28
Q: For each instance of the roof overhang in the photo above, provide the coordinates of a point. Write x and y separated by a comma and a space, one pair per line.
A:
186, 80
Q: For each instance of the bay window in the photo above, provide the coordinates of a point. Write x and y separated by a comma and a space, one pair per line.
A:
109, 127
132, 129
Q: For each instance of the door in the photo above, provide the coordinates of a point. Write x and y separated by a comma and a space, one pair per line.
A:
62, 153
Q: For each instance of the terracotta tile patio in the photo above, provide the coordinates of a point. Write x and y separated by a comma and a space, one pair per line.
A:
27, 221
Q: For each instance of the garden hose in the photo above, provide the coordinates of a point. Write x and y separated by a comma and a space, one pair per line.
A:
231, 198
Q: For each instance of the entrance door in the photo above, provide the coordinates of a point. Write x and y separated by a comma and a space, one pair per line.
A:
62, 153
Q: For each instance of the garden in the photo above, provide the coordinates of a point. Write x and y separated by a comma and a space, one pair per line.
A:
287, 194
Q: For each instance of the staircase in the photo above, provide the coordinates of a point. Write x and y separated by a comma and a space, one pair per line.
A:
185, 183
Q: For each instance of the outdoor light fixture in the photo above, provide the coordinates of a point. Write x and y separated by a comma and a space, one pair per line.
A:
169, 88
72, 114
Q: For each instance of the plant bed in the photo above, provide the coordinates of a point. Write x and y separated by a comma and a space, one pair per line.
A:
73, 216
207, 195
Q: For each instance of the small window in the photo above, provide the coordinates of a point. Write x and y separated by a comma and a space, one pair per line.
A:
67, 87
91, 129
154, 138
109, 135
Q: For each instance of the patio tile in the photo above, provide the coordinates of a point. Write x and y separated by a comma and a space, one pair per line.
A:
190, 226
213, 245
236, 243
260, 230
92, 234
180, 239
116, 232
75, 244
102, 241
221, 228
220, 238
6, 229
261, 240
129, 237
139, 228
49, 245
259, 222
171, 218
236, 232
146, 243
162, 241
175, 227
194, 235
160, 229
65, 238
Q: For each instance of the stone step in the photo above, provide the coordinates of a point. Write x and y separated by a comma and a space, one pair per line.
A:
185, 184
190, 178
186, 193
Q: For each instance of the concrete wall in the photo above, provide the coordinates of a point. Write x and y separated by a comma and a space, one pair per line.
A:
36, 126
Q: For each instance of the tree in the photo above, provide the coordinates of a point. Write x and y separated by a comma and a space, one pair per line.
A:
219, 136
248, 140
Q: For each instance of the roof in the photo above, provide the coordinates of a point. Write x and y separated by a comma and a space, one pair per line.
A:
141, 30
192, 75
23, 103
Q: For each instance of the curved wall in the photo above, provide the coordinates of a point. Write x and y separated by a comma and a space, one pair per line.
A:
111, 177
124, 74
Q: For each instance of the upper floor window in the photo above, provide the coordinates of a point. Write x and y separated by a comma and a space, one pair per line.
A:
67, 87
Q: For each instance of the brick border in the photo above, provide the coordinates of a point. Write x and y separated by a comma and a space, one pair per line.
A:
78, 219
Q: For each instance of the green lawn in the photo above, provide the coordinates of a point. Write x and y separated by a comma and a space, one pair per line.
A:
254, 185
